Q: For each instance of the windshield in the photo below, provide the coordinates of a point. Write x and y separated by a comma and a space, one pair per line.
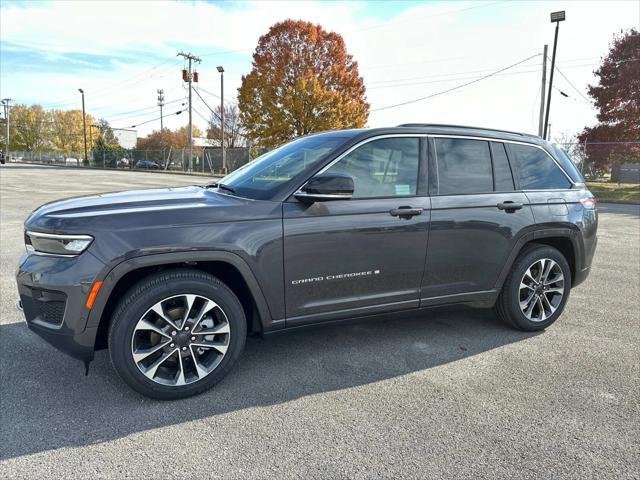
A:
261, 178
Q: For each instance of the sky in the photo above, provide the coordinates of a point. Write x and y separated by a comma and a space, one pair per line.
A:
120, 53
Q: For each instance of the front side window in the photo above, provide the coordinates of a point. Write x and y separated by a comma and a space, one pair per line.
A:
387, 167
463, 166
261, 177
536, 169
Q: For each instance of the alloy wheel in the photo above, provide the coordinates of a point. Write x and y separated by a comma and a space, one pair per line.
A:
180, 340
541, 290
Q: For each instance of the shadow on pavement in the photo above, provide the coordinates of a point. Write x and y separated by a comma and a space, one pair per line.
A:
47, 402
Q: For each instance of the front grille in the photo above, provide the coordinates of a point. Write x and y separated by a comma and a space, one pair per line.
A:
44, 305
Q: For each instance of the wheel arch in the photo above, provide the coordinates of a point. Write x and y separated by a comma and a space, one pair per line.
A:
566, 239
228, 267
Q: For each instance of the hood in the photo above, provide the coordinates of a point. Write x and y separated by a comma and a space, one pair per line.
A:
145, 208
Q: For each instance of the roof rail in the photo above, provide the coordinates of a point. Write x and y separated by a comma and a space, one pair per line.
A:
465, 127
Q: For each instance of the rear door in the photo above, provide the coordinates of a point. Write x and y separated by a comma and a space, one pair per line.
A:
476, 217
360, 256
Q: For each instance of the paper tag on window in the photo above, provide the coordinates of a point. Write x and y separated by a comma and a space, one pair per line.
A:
403, 190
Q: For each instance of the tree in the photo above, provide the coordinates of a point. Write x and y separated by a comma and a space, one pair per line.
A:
165, 139
29, 128
105, 148
617, 98
233, 130
302, 81
67, 135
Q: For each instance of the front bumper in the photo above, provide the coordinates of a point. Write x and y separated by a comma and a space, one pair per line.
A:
53, 292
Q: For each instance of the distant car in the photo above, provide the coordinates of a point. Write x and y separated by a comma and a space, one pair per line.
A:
147, 164
72, 161
123, 163
2, 158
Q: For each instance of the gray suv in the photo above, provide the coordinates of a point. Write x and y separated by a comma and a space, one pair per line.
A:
327, 227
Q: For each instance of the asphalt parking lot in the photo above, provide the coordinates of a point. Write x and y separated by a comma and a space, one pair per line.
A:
448, 393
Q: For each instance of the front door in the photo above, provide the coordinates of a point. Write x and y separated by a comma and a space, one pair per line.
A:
363, 255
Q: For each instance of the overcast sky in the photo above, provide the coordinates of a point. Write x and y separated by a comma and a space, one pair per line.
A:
121, 52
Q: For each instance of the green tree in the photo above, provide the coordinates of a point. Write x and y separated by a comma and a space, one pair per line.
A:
302, 81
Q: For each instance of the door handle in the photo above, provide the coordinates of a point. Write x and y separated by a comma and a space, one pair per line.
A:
509, 206
405, 212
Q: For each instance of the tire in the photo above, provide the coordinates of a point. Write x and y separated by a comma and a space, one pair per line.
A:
137, 328
536, 314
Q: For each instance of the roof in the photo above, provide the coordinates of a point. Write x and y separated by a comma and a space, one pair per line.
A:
464, 127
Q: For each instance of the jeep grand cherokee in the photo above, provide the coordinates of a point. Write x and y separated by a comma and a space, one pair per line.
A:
330, 226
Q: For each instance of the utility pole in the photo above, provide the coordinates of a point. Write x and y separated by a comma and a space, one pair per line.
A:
542, 90
556, 17
188, 77
84, 128
224, 151
161, 104
5, 104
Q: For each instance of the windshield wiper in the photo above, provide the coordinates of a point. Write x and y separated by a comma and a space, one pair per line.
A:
221, 186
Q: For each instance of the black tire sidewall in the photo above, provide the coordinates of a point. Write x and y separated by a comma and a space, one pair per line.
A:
150, 291
512, 287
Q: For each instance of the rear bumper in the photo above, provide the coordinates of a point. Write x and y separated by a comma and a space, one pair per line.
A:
581, 274
53, 292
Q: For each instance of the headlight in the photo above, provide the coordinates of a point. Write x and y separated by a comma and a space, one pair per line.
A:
53, 244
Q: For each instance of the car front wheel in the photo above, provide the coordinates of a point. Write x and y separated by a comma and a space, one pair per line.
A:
176, 334
536, 290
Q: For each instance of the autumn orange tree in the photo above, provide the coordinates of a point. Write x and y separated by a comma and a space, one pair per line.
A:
302, 81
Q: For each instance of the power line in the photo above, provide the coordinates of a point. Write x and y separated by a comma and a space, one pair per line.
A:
381, 25
458, 86
124, 115
152, 120
206, 104
572, 85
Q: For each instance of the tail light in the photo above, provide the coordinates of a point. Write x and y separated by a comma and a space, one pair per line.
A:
589, 202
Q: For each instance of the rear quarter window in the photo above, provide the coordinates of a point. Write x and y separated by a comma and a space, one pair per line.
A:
536, 169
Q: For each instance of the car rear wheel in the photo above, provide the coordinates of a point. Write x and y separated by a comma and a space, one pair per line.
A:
176, 334
537, 289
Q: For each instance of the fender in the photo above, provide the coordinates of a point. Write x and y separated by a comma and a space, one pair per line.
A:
538, 232
112, 277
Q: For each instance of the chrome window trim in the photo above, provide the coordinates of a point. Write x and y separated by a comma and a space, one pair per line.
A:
486, 139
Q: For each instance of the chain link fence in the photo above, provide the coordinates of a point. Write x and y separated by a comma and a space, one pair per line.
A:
606, 161
205, 160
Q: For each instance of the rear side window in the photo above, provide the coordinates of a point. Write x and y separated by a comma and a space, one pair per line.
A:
463, 166
536, 170
501, 169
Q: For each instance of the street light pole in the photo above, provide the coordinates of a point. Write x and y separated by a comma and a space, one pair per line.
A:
224, 151
556, 17
542, 90
84, 128
5, 103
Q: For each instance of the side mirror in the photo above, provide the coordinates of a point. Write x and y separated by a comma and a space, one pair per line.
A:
326, 186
